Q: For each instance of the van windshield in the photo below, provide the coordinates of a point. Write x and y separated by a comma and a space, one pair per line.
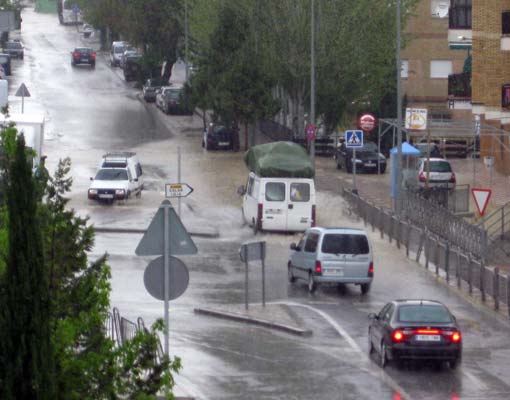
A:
344, 243
275, 191
112, 174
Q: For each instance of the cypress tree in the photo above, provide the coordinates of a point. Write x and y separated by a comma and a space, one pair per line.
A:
28, 356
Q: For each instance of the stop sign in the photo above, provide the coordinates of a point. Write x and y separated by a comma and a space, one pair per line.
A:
366, 122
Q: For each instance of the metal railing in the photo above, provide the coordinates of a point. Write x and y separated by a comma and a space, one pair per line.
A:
497, 224
457, 266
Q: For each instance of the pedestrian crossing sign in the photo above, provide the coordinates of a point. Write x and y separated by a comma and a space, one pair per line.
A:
353, 139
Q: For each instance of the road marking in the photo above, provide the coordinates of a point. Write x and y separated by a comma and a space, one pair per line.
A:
381, 373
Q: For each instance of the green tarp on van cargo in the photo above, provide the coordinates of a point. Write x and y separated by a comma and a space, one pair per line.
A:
279, 159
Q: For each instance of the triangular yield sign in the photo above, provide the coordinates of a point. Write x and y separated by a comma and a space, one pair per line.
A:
22, 91
153, 244
481, 197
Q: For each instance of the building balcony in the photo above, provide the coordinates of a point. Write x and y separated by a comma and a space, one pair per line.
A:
460, 34
459, 91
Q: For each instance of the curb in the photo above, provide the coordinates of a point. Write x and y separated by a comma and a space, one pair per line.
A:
254, 321
133, 230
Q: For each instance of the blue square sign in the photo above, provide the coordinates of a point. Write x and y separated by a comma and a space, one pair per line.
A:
353, 139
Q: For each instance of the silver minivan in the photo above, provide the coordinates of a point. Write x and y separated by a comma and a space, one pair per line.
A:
332, 255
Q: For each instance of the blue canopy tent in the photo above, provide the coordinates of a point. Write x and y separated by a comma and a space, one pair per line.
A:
407, 151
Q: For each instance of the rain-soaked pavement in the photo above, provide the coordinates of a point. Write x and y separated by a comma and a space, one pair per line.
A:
93, 111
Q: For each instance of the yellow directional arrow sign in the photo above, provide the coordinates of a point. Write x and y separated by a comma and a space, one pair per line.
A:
177, 190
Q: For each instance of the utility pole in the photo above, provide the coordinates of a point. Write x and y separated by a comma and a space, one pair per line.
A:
186, 37
399, 116
312, 81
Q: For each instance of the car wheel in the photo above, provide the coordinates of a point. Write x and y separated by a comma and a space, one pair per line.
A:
139, 193
167, 110
292, 278
338, 164
365, 287
383, 355
454, 363
203, 144
348, 167
255, 227
370, 344
312, 286
93, 65
383, 170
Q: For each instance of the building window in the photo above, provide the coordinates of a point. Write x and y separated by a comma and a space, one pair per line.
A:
460, 14
439, 8
505, 23
440, 68
404, 70
505, 96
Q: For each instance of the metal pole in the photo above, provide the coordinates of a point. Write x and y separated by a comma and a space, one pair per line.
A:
22, 103
186, 37
354, 188
166, 237
245, 277
312, 80
399, 113
263, 282
379, 147
179, 178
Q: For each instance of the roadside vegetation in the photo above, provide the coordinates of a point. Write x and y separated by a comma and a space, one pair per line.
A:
54, 303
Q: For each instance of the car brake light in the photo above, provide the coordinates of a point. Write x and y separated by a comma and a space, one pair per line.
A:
318, 267
453, 179
427, 331
371, 270
92, 55
422, 177
313, 215
456, 337
76, 55
260, 210
397, 336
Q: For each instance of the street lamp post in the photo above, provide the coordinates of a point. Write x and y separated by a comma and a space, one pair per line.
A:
399, 116
312, 80
186, 37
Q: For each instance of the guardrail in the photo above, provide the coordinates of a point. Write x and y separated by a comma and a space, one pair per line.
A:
497, 224
457, 266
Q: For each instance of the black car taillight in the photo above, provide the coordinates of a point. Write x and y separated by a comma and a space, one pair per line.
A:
371, 270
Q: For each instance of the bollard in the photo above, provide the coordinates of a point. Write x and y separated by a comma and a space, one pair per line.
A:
426, 250
496, 288
447, 261
458, 270
470, 275
420, 246
437, 255
482, 280
408, 239
508, 292
399, 230
390, 231
381, 222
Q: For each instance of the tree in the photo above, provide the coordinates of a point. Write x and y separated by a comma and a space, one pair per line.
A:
27, 363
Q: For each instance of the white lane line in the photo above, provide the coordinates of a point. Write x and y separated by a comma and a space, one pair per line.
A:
382, 374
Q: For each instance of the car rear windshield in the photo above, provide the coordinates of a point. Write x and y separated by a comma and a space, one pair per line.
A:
172, 94
439, 166
345, 243
13, 45
119, 49
424, 313
112, 174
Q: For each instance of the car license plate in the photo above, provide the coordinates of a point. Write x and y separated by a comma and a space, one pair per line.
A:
106, 196
428, 338
336, 271
84, 60
223, 143
370, 164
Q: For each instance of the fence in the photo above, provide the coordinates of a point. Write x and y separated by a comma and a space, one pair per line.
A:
497, 224
121, 330
457, 266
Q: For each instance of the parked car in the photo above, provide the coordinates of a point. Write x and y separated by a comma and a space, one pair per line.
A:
434, 149
440, 173
14, 49
150, 88
332, 255
116, 52
218, 137
171, 100
368, 158
5, 62
119, 176
128, 51
83, 55
415, 329
132, 67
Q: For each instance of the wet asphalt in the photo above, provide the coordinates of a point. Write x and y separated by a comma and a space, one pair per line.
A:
90, 112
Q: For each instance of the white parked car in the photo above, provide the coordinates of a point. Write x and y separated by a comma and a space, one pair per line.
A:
119, 176
440, 173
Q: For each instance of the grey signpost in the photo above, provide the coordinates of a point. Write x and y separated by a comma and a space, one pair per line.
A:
354, 140
22, 92
166, 236
251, 252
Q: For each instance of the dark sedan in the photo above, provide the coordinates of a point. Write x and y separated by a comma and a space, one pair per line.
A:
368, 158
14, 49
172, 100
415, 329
218, 137
83, 55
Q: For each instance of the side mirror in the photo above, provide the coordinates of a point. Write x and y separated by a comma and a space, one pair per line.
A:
91, 178
294, 246
372, 316
241, 190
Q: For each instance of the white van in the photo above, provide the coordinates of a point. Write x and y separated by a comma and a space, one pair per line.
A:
116, 52
119, 176
279, 204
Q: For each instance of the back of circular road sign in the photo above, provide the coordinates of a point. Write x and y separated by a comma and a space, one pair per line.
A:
154, 278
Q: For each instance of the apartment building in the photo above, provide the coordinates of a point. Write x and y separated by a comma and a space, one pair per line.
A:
429, 60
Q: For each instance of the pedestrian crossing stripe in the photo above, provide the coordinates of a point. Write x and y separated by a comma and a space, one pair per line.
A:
354, 138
